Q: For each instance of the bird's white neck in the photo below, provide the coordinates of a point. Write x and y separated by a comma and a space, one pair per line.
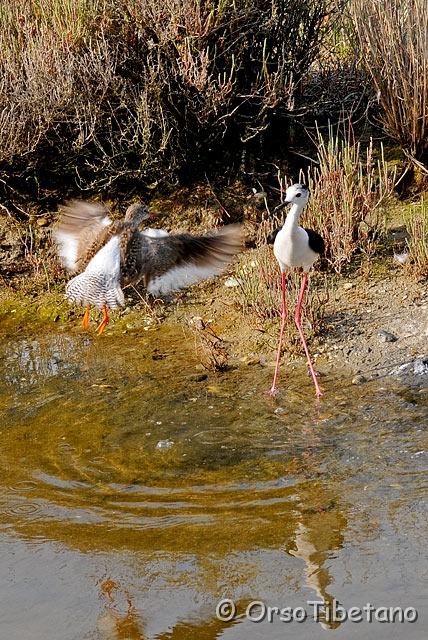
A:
292, 219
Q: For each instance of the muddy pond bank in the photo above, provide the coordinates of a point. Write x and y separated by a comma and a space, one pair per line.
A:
139, 491
373, 327
374, 321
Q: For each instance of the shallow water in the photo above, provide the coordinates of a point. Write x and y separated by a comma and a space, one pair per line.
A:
136, 495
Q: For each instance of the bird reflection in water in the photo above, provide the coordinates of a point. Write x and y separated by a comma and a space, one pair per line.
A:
120, 620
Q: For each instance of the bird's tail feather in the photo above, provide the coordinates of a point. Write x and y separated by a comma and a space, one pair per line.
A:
95, 290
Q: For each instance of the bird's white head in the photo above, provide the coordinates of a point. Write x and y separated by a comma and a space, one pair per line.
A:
296, 194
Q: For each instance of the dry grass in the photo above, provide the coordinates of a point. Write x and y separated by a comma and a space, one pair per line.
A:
392, 37
258, 291
416, 221
209, 348
350, 192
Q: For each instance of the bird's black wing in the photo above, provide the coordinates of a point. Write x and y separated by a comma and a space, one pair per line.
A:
271, 237
316, 242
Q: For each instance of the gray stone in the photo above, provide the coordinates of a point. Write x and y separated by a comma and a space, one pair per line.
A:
420, 366
385, 336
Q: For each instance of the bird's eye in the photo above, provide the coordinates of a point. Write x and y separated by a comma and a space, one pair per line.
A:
298, 195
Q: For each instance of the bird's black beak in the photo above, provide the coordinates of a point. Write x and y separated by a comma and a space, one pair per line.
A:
278, 208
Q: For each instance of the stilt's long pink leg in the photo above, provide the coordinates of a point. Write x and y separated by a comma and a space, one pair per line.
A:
104, 321
302, 337
273, 389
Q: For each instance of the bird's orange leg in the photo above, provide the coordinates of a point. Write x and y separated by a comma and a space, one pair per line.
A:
85, 320
302, 337
104, 321
274, 391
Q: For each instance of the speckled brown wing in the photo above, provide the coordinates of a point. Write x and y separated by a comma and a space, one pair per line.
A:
177, 261
99, 238
131, 262
82, 229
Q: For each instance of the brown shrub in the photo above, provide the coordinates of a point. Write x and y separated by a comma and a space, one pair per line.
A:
100, 92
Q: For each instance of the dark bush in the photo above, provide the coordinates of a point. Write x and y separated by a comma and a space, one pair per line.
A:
107, 92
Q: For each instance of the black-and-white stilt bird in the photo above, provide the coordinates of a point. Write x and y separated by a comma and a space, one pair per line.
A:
293, 247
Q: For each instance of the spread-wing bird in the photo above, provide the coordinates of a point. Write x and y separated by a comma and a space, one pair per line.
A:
294, 246
110, 254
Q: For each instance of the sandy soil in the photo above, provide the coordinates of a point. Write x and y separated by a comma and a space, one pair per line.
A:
373, 329
379, 328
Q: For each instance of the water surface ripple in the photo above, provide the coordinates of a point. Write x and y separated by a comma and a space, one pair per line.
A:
135, 493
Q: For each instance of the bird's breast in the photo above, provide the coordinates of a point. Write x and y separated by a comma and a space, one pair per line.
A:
292, 250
